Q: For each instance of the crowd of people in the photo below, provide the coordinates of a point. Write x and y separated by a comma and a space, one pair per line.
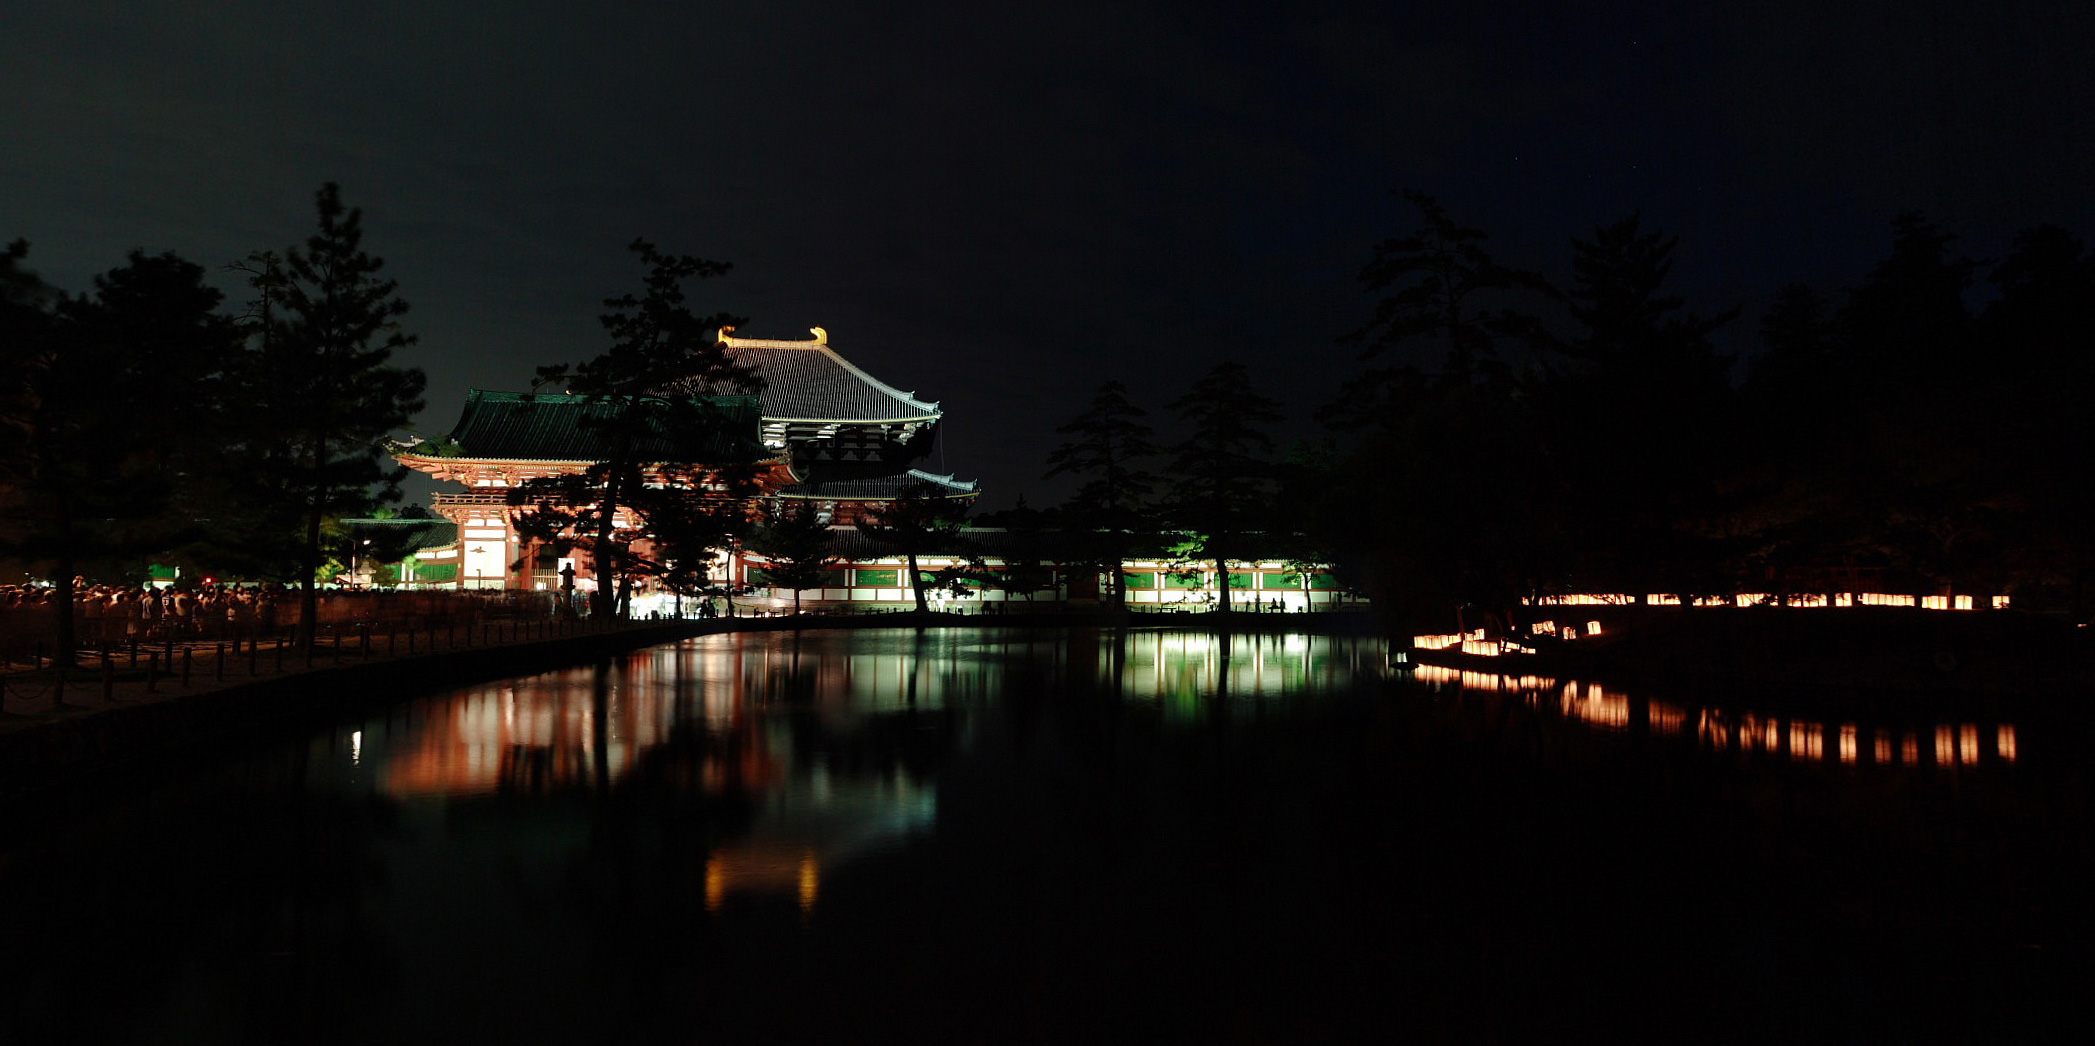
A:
118, 614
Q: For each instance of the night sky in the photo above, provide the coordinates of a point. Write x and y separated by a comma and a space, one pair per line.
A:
1000, 209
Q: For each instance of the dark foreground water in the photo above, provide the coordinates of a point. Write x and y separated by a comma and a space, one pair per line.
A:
983, 836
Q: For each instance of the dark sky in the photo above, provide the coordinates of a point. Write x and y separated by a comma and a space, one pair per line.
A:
1000, 208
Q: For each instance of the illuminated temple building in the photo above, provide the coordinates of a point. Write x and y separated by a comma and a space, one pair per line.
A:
822, 431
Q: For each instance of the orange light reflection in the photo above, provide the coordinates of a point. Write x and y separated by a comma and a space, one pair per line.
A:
810, 883
1807, 741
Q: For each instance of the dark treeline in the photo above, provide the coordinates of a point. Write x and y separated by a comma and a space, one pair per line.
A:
1218, 495
1589, 436
1505, 434
148, 421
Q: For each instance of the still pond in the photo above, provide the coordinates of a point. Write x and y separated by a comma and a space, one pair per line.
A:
975, 835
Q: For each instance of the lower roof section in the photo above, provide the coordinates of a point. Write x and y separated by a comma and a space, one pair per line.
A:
519, 426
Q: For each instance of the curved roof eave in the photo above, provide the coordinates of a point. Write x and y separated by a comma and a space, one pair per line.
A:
853, 421
906, 397
914, 409
775, 459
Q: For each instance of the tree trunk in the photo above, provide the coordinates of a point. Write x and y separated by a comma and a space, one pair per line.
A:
308, 597
604, 601
63, 597
1118, 549
916, 582
1222, 582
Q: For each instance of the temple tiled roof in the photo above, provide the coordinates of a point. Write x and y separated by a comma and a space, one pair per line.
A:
808, 381
875, 488
522, 426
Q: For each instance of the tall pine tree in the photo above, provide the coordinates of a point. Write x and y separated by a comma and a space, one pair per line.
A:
922, 520
661, 435
117, 399
796, 547
1108, 445
1221, 473
323, 393
1647, 418
1442, 289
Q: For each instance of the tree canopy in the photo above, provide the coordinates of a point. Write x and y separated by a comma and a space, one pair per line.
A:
796, 547
319, 392
922, 520
111, 400
1221, 472
1109, 444
660, 436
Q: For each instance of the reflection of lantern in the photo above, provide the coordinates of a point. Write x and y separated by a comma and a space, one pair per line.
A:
1806, 740
1714, 729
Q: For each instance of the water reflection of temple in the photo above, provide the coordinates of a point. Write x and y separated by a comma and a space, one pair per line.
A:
817, 791
831, 741
1941, 745
580, 728
813, 821
1180, 670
